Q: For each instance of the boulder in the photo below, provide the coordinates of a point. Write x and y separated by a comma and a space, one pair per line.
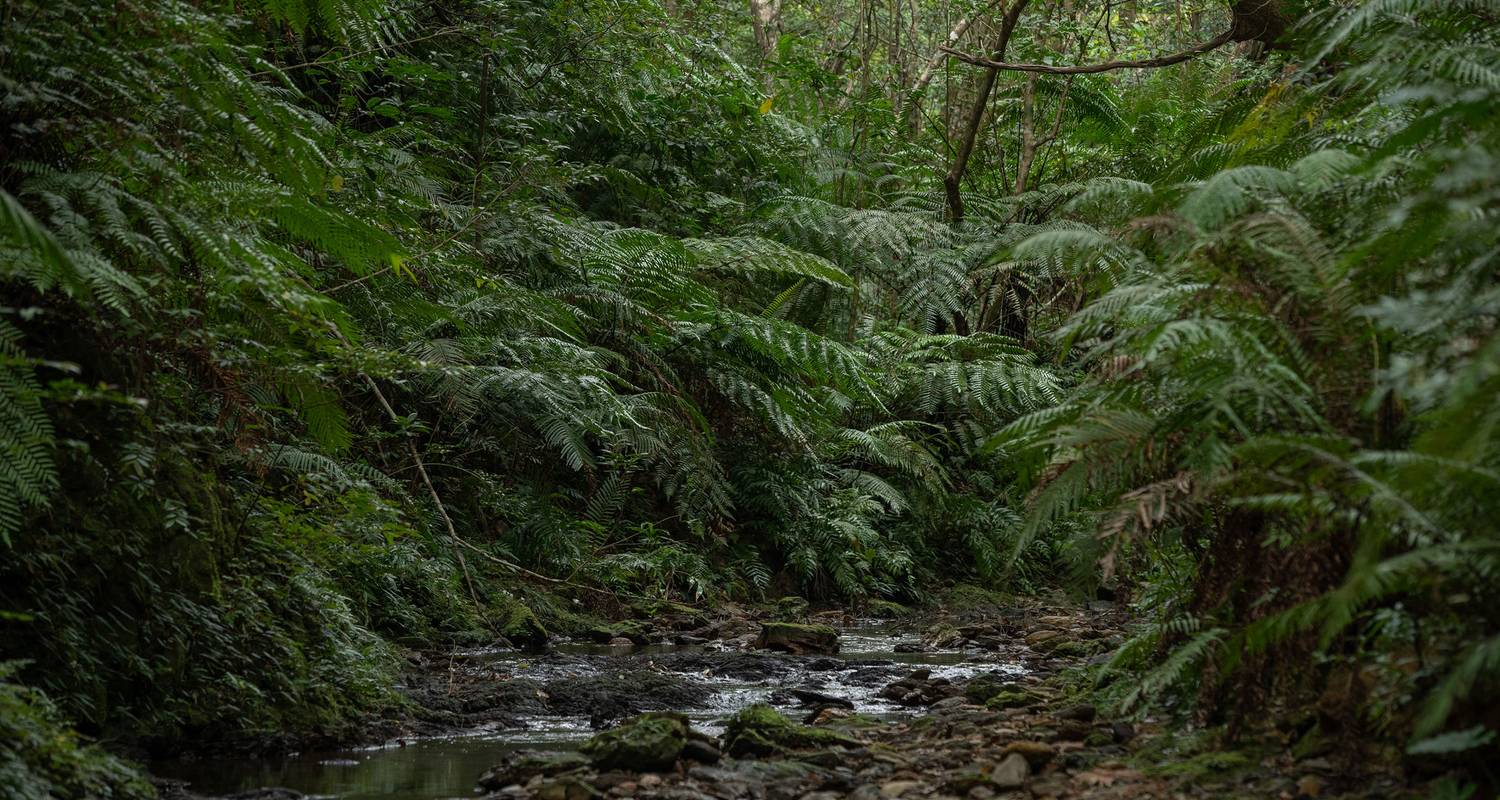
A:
522, 629
647, 743
797, 639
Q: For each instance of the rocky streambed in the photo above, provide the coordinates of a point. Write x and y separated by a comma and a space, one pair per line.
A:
472, 707
678, 708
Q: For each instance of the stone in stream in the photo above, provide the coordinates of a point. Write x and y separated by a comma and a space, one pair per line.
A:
760, 730
648, 743
798, 639
520, 766
810, 697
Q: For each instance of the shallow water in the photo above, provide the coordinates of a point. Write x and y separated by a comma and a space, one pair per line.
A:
447, 766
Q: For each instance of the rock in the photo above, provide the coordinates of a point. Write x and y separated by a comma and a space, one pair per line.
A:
1039, 639
910, 647
1011, 698
620, 641
1122, 732
798, 639
634, 631
701, 751
894, 789
759, 731
521, 766
1011, 772
982, 687
885, 609
964, 779
564, 789
648, 743
1082, 712
791, 609
1071, 730
1037, 754
810, 697
521, 628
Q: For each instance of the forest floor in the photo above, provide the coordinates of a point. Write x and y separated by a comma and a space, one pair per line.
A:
1029, 730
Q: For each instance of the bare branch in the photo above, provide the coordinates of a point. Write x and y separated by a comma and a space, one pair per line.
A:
1107, 66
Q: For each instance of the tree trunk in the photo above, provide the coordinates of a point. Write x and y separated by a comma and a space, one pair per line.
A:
975, 121
765, 16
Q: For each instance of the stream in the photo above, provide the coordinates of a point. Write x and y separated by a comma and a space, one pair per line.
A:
724, 680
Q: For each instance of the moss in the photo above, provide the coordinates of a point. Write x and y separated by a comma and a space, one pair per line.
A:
886, 609
792, 637
791, 609
521, 627
1215, 763
647, 743
1011, 698
760, 730
966, 598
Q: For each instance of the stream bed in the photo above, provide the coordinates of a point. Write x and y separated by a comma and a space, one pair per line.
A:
719, 681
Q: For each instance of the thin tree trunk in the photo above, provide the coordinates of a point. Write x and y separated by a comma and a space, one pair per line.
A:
975, 121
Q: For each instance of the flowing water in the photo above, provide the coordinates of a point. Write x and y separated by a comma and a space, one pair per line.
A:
447, 766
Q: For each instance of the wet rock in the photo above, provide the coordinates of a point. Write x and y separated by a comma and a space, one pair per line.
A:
620, 694
798, 639
648, 743
811, 697
520, 766
910, 647
739, 666
1012, 772
701, 751
759, 731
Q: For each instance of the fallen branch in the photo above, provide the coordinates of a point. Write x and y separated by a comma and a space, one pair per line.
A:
1107, 66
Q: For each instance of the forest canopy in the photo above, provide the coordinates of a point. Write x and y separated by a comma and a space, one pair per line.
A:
329, 327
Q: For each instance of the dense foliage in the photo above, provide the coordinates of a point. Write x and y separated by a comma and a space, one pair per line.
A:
333, 324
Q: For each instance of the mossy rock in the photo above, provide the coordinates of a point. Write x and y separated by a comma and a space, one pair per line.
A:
791, 609
790, 637
886, 609
522, 629
1215, 763
760, 730
1075, 648
983, 687
520, 766
1011, 698
968, 599
637, 631
647, 743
